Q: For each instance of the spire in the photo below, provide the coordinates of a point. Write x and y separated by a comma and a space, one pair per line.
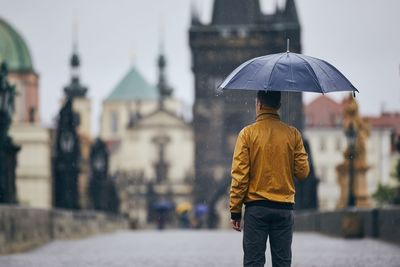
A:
75, 61
195, 18
290, 11
163, 88
236, 12
75, 89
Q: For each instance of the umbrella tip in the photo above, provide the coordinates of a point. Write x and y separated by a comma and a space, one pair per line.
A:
287, 45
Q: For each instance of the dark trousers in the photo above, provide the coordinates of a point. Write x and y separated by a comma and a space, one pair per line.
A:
260, 223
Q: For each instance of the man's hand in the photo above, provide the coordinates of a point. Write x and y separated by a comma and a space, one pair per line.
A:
236, 225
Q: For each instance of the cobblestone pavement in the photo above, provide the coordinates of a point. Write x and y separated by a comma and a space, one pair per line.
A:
198, 248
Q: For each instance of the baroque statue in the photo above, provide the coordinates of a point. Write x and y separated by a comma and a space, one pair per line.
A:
351, 173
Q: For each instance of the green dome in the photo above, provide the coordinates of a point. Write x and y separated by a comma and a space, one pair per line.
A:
13, 49
133, 87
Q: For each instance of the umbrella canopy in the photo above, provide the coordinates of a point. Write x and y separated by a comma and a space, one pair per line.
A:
183, 207
287, 72
162, 205
201, 209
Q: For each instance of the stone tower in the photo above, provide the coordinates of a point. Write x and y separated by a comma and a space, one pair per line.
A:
238, 31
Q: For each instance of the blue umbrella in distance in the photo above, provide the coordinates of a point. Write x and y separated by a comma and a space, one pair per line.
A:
287, 71
201, 209
163, 205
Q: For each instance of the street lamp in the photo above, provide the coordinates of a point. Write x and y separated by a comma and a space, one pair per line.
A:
351, 134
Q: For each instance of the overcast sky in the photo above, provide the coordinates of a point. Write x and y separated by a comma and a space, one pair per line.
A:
360, 37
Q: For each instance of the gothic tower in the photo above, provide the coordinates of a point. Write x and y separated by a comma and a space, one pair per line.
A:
238, 31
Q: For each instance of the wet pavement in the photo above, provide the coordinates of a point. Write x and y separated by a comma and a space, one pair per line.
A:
198, 248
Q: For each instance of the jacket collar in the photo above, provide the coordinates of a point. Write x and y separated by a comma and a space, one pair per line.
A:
267, 112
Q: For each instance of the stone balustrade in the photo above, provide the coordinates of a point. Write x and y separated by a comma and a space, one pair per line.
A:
23, 228
382, 223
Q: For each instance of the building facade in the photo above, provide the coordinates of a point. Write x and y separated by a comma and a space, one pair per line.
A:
152, 152
151, 145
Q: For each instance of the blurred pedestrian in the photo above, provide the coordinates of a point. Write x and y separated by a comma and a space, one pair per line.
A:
200, 213
184, 220
162, 209
268, 155
183, 209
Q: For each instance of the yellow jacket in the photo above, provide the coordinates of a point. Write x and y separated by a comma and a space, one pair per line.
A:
268, 155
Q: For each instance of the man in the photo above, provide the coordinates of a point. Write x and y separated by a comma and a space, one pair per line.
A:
268, 155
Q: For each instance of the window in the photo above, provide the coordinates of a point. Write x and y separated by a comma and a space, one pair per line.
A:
309, 120
322, 144
323, 173
339, 120
114, 122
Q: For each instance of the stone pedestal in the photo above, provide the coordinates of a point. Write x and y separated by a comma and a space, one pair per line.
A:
359, 187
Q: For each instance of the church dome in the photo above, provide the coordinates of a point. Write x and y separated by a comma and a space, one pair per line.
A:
13, 49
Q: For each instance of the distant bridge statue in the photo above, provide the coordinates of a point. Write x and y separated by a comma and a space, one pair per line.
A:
8, 150
352, 171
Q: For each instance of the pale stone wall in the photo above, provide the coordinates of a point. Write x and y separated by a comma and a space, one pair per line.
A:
138, 153
34, 180
379, 157
123, 110
24, 228
83, 107
327, 146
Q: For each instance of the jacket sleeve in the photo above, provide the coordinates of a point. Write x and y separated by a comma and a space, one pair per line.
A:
240, 176
301, 166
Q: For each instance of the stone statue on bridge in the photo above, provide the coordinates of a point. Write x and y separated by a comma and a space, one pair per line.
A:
352, 172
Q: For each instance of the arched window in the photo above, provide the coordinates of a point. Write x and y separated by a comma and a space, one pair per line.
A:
322, 144
114, 122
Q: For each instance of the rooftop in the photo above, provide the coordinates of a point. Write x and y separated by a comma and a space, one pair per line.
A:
13, 49
133, 87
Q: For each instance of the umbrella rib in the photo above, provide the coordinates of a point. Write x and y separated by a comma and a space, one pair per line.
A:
312, 72
255, 72
235, 72
317, 63
341, 74
273, 68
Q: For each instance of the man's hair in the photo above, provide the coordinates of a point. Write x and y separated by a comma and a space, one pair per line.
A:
270, 99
